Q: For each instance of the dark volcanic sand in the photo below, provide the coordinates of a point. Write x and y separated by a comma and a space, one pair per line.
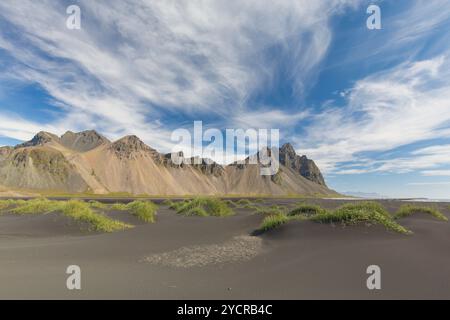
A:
301, 260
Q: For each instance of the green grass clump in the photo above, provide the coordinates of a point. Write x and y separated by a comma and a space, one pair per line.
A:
119, 207
196, 211
307, 209
81, 211
178, 205
273, 221
37, 206
230, 203
203, 207
244, 202
408, 210
75, 209
6, 204
366, 212
253, 207
167, 202
98, 205
144, 210
272, 210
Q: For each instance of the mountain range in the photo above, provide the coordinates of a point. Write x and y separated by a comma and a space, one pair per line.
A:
89, 162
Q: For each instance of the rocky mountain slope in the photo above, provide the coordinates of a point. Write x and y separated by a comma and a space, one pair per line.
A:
88, 162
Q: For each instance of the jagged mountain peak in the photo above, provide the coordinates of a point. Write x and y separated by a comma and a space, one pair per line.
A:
80, 141
129, 145
287, 148
83, 133
40, 139
132, 141
301, 164
83, 141
205, 165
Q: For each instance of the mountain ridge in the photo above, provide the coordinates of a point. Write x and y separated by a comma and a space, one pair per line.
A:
89, 162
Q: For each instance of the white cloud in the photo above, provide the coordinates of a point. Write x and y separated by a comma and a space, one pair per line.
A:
441, 183
436, 173
136, 60
21, 129
425, 158
268, 119
406, 104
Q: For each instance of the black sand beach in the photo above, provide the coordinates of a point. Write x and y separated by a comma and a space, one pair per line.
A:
182, 257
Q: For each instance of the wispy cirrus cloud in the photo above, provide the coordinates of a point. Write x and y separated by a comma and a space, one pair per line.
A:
138, 60
400, 106
21, 129
436, 173
424, 158
407, 103
441, 183
268, 119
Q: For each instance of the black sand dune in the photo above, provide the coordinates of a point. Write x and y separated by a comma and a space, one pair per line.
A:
40, 226
300, 260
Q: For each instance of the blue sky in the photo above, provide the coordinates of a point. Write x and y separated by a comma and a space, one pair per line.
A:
371, 107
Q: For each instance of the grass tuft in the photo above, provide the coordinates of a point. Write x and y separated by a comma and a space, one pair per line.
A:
177, 205
203, 207
273, 221
408, 210
144, 210
366, 212
244, 202
98, 205
307, 209
75, 209
37, 206
167, 202
7, 204
81, 211
272, 210
347, 214
231, 203
119, 207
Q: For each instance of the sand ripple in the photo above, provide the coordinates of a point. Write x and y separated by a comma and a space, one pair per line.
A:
240, 248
